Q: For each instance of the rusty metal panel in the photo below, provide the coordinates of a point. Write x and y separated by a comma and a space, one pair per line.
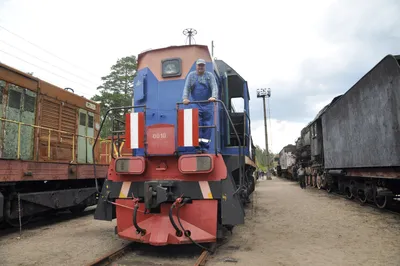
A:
3, 92
57, 115
20, 108
68, 124
55, 108
49, 118
16, 170
69, 97
17, 77
28, 113
87, 172
13, 112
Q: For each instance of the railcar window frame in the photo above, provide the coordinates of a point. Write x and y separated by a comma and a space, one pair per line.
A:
15, 98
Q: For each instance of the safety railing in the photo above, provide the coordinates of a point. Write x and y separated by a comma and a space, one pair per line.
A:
214, 126
247, 123
112, 137
50, 131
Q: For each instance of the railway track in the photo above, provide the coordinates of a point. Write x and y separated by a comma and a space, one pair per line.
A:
114, 255
355, 200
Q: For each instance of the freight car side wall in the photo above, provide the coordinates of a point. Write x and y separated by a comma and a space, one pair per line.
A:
29, 107
362, 128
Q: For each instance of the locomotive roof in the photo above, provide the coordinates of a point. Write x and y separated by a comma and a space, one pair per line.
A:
326, 107
5, 71
235, 80
288, 148
169, 47
337, 99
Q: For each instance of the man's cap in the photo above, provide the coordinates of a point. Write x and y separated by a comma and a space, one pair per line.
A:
200, 61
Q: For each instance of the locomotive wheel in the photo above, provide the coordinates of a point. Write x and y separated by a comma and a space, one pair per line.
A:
361, 196
381, 201
349, 195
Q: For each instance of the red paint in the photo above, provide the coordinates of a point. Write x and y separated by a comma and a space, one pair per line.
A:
188, 163
195, 120
200, 218
390, 173
195, 127
15, 170
128, 130
181, 130
141, 130
136, 165
172, 172
140, 126
161, 139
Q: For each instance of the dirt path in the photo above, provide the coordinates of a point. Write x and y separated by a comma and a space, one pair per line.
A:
290, 226
72, 242
284, 226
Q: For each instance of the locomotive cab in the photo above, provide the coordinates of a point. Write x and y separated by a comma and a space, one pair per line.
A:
165, 192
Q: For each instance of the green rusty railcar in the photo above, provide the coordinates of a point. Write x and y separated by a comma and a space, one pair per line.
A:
46, 140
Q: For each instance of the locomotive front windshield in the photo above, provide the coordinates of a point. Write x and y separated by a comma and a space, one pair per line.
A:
171, 67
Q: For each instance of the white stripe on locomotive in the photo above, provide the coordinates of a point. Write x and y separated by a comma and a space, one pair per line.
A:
188, 127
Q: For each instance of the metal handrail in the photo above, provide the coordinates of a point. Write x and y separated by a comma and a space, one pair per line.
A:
237, 136
101, 127
48, 137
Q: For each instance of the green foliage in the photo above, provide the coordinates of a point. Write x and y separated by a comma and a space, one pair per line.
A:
116, 90
261, 158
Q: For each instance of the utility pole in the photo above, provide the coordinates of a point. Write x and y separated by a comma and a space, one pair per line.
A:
212, 49
263, 93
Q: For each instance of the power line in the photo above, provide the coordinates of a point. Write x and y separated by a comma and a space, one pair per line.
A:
66, 71
37, 46
46, 71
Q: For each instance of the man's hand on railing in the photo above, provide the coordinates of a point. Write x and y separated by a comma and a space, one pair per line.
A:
186, 101
211, 99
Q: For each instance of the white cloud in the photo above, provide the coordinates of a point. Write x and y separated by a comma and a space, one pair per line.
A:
280, 133
294, 47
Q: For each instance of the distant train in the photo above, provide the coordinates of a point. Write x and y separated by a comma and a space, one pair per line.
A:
46, 139
287, 159
352, 145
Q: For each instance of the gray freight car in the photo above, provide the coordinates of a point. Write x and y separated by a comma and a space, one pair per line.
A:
359, 148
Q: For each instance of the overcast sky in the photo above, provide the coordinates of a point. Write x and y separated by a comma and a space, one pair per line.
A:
306, 51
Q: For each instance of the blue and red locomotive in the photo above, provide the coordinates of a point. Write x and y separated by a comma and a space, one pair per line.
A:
167, 192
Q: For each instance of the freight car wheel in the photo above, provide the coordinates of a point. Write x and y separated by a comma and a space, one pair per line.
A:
381, 201
349, 194
362, 196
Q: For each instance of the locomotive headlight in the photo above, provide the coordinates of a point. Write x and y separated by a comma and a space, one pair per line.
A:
171, 67
130, 165
195, 164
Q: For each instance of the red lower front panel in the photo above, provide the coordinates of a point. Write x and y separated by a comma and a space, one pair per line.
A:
199, 217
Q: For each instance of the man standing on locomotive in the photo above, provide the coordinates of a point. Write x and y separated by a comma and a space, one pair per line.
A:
202, 86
